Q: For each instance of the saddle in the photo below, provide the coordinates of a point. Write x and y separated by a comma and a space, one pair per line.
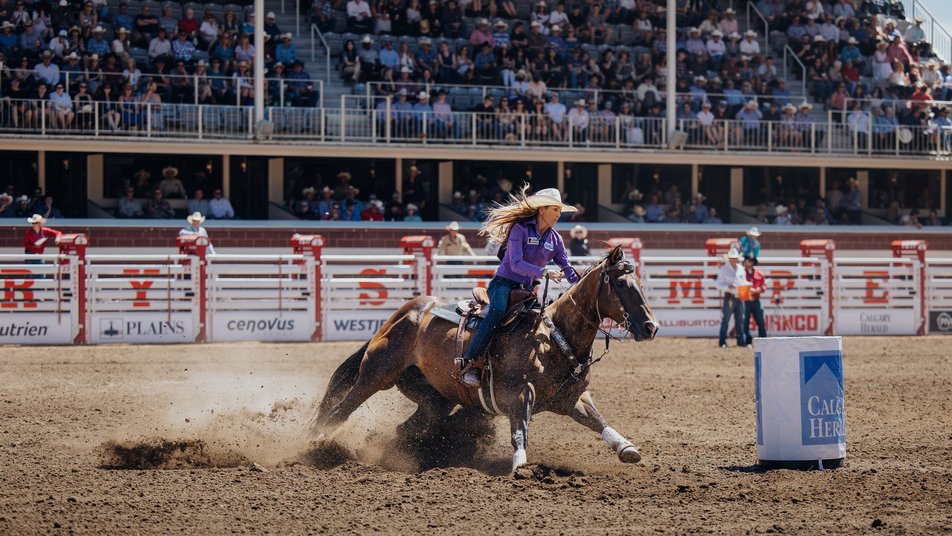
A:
479, 304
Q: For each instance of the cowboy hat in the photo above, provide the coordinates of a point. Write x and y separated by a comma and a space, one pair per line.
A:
780, 209
195, 217
170, 170
753, 231
309, 190
579, 231
453, 226
549, 197
733, 254
36, 218
411, 206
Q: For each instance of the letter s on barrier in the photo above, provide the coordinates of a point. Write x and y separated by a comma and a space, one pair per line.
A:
378, 288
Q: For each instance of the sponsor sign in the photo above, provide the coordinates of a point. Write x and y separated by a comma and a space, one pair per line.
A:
822, 416
36, 328
139, 327
707, 322
353, 325
940, 322
261, 326
874, 321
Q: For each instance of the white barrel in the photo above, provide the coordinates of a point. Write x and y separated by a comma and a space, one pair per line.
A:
801, 420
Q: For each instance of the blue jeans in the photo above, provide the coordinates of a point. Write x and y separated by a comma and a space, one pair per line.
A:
732, 307
755, 310
498, 290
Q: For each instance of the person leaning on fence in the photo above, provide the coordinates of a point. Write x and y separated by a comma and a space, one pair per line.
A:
36, 238
194, 227
454, 243
730, 278
749, 245
752, 307
525, 226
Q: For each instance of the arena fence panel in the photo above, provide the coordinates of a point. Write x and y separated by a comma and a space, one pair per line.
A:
876, 296
144, 298
40, 300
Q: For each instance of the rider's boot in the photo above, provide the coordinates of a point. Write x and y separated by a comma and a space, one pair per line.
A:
469, 374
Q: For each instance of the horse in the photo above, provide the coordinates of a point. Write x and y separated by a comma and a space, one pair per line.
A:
533, 367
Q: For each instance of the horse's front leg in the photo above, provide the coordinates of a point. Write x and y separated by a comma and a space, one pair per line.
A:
519, 415
585, 413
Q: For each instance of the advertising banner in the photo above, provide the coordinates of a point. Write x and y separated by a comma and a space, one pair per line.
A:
36, 328
354, 325
873, 321
940, 322
142, 327
707, 322
261, 326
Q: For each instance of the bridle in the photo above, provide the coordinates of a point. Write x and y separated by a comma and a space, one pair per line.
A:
604, 278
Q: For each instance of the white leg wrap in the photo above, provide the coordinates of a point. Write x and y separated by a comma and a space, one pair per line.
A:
613, 438
518, 459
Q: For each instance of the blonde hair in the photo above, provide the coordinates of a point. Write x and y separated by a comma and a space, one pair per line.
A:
502, 217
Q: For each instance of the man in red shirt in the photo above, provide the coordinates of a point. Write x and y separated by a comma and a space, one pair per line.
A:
374, 212
36, 237
758, 285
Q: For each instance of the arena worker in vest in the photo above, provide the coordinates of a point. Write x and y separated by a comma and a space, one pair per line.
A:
36, 237
525, 228
194, 227
752, 307
454, 243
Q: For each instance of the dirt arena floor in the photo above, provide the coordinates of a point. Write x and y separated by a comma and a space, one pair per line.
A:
210, 439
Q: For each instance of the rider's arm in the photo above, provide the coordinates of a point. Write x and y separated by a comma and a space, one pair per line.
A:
562, 260
514, 254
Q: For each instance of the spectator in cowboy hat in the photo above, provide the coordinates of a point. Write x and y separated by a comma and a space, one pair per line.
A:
730, 277
749, 245
578, 245
171, 185
194, 227
37, 236
454, 243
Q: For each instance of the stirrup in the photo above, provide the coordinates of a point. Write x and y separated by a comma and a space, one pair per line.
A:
469, 374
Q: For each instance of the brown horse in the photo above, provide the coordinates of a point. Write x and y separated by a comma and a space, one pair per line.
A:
531, 371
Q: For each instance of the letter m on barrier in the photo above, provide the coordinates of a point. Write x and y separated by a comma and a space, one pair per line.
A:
12, 287
141, 287
690, 288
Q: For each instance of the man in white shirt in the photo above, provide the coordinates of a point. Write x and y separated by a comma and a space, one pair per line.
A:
915, 32
194, 227
730, 277
556, 111
160, 46
220, 208
578, 118
750, 46
359, 19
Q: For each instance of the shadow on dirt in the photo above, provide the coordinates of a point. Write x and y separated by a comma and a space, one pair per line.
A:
459, 440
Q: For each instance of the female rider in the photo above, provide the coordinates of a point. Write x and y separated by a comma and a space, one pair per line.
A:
525, 227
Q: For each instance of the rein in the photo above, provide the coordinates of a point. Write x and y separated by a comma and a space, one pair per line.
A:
579, 368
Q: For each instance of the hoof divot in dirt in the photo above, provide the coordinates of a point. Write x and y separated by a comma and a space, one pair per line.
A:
159, 453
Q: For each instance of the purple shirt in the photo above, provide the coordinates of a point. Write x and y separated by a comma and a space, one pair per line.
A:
527, 254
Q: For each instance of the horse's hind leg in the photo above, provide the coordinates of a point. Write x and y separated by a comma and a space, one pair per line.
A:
343, 379
585, 413
379, 370
431, 406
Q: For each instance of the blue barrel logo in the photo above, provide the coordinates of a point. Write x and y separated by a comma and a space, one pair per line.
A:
822, 414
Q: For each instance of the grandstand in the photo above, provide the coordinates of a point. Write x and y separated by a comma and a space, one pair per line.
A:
785, 110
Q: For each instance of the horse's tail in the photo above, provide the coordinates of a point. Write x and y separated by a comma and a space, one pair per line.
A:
341, 382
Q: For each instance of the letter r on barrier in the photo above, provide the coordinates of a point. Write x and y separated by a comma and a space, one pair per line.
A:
141, 287
12, 287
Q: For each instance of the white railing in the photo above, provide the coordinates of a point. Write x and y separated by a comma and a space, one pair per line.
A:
787, 51
766, 33
316, 32
392, 125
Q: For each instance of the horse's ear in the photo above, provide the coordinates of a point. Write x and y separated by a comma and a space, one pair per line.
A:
616, 255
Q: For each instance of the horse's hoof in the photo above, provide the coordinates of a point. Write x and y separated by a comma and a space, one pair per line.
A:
518, 459
629, 454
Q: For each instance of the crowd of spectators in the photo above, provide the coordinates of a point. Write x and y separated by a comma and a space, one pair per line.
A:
69, 54
21, 206
144, 198
609, 60
344, 202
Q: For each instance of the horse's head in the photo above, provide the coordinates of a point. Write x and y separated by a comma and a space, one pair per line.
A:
621, 297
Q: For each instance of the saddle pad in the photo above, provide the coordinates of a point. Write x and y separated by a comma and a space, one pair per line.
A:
448, 312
